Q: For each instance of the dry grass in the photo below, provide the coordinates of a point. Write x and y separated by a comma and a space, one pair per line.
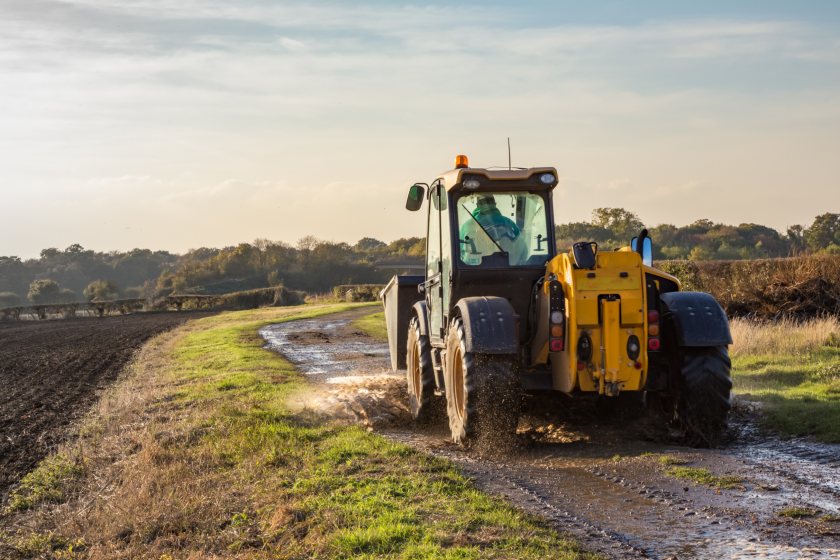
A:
195, 455
783, 336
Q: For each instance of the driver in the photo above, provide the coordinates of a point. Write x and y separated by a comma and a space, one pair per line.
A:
486, 221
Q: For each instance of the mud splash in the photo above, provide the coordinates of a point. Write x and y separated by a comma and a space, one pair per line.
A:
588, 477
351, 377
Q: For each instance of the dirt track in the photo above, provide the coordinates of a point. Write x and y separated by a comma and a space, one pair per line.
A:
51, 373
597, 479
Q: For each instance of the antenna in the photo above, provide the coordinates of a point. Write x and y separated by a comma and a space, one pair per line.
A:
510, 166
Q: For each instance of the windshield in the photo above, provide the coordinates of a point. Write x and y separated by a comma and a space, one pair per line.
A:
502, 229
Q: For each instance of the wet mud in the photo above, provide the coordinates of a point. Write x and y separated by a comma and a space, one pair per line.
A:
593, 475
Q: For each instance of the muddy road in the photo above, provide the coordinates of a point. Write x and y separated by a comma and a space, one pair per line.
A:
51, 373
598, 479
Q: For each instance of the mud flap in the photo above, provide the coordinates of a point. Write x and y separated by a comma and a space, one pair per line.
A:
491, 325
698, 319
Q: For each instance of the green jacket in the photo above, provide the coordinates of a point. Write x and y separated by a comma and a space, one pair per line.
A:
496, 225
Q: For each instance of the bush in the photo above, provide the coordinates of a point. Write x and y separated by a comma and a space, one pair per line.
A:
102, 290
9, 299
277, 296
798, 287
44, 291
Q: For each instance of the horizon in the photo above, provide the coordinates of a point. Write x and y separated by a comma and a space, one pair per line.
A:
295, 242
151, 124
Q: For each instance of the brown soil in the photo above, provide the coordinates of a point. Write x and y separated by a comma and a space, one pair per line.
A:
593, 474
52, 372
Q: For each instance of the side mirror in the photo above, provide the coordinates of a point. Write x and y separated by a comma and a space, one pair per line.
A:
415, 197
647, 249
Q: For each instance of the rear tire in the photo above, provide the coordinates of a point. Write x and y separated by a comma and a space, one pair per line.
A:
705, 394
420, 374
483, 394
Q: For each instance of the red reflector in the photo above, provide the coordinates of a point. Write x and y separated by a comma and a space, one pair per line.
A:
581, 366
638, 365
653, 344
556, 344
653, 316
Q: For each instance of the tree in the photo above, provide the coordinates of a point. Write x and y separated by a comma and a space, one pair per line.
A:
102, 290
44, 291
823, 232
796, 238
9, 299
368, 244
66, 295
622, 223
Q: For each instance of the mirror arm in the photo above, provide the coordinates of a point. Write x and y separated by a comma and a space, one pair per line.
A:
640, 242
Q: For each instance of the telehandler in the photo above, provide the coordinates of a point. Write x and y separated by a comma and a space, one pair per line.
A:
499, 312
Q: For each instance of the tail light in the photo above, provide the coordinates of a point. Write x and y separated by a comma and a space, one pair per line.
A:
633, 347
557, 317
654, 343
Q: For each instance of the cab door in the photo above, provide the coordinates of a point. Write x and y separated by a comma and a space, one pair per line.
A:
434, 264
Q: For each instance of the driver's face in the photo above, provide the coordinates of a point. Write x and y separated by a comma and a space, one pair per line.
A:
485, 204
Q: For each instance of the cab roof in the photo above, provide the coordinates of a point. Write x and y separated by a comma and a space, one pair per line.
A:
499, 179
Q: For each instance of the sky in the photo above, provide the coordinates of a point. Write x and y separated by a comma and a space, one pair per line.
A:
189, 123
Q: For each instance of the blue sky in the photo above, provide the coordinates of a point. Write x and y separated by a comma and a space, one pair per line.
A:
207, 122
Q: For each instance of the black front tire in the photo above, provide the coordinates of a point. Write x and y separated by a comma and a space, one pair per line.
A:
704, 399
483, 394
420, 374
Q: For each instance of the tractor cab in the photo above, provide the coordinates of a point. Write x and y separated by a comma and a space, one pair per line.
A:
489, 233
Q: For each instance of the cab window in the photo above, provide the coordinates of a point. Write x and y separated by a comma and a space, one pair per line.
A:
502, 229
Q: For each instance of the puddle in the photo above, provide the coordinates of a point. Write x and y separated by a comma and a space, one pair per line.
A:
325, 348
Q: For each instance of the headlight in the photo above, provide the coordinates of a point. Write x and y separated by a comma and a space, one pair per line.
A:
471, 183
547, 178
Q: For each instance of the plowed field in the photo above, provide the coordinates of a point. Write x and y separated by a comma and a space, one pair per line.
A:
51, 373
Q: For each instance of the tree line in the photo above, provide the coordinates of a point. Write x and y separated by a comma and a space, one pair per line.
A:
315, 266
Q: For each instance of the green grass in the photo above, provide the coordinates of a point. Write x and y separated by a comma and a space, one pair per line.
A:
348, 492
703, 476
670, 461
801, 391
373, 325
48, 482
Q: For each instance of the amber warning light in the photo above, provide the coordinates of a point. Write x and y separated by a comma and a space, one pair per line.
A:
461, 161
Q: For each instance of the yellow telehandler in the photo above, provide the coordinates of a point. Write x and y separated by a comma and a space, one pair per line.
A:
499, 312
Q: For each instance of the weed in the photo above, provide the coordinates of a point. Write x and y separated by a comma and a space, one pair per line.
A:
704, 476
670, 460
47, 483
41, 545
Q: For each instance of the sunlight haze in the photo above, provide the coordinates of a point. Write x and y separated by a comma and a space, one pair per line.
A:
175, 125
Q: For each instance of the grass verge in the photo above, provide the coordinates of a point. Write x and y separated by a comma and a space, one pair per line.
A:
794, 369
373, 325
195, 454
